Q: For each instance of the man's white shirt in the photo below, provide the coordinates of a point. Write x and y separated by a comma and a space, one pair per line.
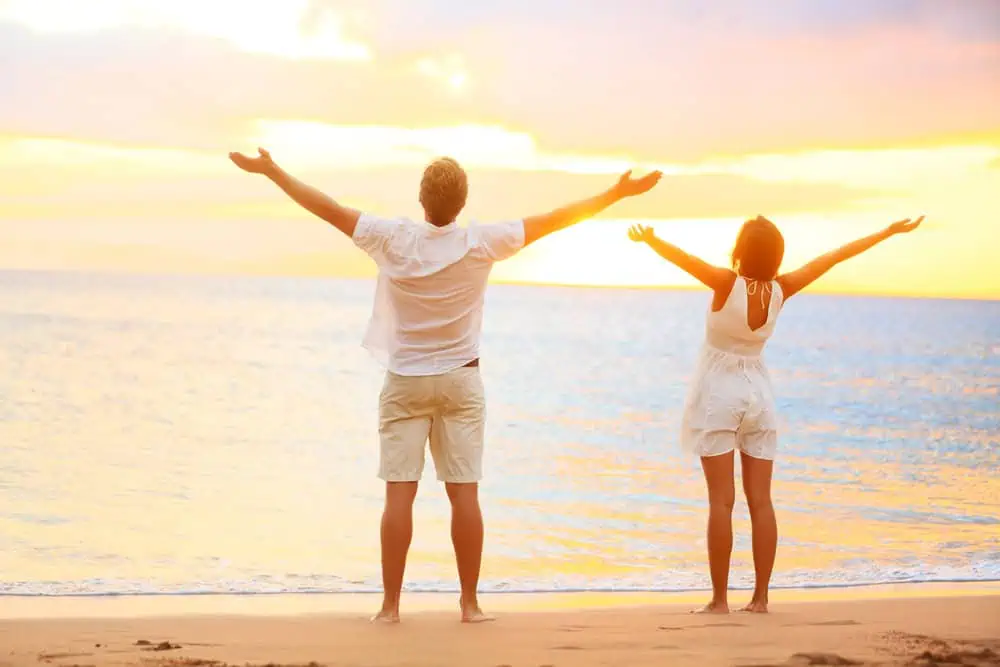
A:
428, 309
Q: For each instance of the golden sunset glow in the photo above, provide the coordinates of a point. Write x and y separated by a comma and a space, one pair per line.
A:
114, 147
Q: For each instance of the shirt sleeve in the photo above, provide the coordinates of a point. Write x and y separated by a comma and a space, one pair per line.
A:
374, 236
502, 240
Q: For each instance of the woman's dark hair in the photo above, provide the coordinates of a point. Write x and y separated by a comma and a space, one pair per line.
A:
759, 249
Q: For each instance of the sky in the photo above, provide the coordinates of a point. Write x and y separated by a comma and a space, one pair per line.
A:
832, 118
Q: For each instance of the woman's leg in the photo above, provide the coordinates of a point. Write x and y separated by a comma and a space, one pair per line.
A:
721, 496
757, 486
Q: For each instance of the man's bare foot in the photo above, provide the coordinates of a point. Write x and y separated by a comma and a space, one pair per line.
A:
713, 608
756, 607
387, 616
473, 614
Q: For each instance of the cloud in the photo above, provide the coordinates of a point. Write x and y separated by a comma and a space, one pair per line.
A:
685, 79
496, 193
284, 28
890, 168
198, 188
160, 88
377, 169
669, 82
787, 109
961, 20
389, 23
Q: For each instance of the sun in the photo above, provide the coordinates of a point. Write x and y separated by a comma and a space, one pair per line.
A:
449, 70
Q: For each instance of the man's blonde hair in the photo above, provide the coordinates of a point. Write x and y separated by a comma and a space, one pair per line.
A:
443, 191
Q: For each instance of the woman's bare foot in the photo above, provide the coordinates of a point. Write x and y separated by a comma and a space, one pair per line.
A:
756, 607
471, 613
476, 616
713, 608
386, 616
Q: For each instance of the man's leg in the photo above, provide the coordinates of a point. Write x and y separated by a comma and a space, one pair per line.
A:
457, 446
467, 538
404, 425
397, 531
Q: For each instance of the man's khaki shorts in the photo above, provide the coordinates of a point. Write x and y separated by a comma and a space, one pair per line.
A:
449, 410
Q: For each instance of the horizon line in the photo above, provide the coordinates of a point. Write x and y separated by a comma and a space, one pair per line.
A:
508, 282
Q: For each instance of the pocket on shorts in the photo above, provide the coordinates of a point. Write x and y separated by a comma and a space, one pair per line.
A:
403, 394
462, 390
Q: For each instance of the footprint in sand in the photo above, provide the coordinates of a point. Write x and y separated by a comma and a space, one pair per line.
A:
811, 659
194, 662
959, 658
821, 624
45, 657
579, 628
704, 625
147, 645
820, 659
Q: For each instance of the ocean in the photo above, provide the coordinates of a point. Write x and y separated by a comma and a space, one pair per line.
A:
198, 435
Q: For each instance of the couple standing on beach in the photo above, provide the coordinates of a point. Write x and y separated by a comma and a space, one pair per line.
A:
425, 328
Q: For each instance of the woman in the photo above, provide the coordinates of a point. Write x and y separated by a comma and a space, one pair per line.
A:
730, 405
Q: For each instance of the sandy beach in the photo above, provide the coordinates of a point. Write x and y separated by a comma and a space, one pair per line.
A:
927, 625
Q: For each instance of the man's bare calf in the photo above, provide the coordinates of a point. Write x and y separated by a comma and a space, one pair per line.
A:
467, 538
397, 531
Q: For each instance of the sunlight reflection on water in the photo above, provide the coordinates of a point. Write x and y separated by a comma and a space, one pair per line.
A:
201, 434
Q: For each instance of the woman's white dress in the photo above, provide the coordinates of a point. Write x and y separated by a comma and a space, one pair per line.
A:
730, 404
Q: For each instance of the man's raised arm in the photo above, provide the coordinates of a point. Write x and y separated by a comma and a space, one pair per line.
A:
538, 226
343, 218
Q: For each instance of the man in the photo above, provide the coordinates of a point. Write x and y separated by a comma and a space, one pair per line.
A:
424, 329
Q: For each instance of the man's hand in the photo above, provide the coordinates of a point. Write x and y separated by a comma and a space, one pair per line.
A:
630, 187
537, 226
641, 233
905, 226
262, 164
321, 205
